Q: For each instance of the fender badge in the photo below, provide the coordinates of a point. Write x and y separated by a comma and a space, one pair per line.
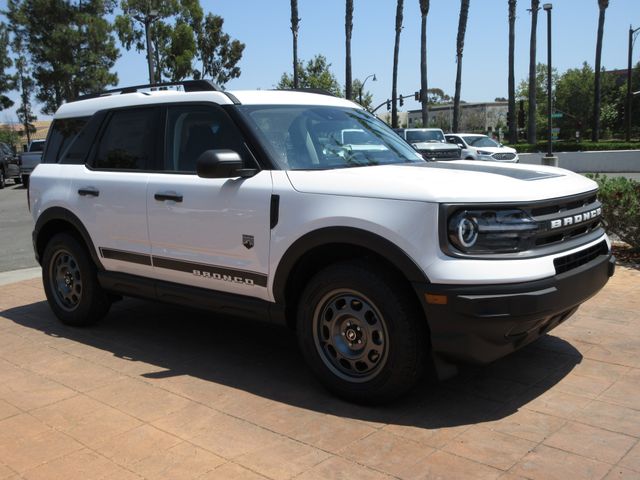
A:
247, 241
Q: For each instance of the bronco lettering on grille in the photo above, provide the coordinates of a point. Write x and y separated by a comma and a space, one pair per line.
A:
576, 219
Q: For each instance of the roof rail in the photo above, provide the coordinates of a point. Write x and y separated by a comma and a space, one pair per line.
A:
319, 91
188, 85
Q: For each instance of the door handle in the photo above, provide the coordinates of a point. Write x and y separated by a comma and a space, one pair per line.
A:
89, 191
168, 196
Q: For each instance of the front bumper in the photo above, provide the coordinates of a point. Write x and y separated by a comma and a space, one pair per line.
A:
479, 324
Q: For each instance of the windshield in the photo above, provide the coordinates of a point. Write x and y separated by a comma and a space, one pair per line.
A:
317, 137
417, 136
480, 141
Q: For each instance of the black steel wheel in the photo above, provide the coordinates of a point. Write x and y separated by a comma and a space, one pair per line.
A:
362, 332
70, 282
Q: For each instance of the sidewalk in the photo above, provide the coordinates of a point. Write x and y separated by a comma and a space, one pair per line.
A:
161, 393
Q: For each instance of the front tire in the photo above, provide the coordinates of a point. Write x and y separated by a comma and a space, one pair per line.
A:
361, 332
71, 283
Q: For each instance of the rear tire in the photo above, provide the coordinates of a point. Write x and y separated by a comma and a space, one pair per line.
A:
2, 179
361, 332
17, 180
25, 181
70, 282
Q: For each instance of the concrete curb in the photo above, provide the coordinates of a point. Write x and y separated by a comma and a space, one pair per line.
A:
19, 275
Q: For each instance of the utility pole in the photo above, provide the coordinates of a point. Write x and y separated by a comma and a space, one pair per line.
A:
549, 159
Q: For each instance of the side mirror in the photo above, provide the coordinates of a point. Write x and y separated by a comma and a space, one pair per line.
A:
222, 164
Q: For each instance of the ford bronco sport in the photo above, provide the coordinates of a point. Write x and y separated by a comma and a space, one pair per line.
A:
254, 203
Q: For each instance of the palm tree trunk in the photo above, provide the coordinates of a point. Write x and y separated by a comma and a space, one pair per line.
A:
348, 28
595, 134
513, 129
294, 29
396, 52
462, 30
531, 126
424, 11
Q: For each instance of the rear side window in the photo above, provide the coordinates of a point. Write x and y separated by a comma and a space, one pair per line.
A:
63, 132
128, 140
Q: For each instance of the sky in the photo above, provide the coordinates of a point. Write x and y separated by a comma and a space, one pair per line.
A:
264, 26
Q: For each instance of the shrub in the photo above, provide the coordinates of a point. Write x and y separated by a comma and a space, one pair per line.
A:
620, 197
541, 147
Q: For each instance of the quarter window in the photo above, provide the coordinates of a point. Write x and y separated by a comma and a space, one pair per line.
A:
128, 141
63, 132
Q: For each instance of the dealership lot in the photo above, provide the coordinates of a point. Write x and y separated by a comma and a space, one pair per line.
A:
159, 392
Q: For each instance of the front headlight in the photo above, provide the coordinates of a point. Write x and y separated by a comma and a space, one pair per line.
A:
483, 152
491, 231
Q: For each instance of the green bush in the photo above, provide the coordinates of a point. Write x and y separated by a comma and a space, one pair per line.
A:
576, 147
620, 199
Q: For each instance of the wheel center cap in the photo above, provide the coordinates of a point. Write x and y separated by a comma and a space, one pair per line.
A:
351, 334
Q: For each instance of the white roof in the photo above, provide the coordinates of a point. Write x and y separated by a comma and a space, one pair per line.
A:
85, 108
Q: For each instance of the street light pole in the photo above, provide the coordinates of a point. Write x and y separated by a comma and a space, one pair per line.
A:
632, 35
549, 159
365, 81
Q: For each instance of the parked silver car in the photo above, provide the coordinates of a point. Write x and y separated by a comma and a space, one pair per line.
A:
480, 147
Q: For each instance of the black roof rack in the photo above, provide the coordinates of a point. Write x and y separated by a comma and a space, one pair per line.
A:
187, 85
319, 91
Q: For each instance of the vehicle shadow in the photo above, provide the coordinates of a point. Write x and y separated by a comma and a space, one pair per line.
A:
264, 360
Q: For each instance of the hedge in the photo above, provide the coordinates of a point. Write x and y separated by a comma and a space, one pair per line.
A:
620, 199
541, 147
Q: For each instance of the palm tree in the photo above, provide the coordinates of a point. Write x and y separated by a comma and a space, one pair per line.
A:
424, 11
513, 131
348, 28
294, 29
595, 134
462, 30
531, 127
396, 51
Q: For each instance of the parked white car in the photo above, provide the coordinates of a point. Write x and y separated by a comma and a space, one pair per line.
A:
480, 147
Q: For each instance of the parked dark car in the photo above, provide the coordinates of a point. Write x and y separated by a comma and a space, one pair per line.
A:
9, 168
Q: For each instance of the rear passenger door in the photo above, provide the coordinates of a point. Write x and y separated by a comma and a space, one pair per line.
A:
108, 194
212, 233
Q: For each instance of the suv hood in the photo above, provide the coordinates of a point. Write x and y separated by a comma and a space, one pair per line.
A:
444, 182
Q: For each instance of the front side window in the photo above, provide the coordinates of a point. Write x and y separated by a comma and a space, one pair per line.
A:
301, 137
128, 140
194, 129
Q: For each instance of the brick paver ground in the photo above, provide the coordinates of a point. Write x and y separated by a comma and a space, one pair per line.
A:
156, 392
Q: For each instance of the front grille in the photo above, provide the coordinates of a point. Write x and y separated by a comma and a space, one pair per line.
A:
569, 262
565, 219
440, 154
504, 156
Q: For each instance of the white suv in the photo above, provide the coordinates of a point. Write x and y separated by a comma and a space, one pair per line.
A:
480, 147
252, 203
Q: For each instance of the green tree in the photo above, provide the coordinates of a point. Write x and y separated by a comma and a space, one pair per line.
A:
315, 73
26, 86
396, 53
364, 98
69, 45
532, 94
348, 29
573, 98
595, 132
183, 41
424, 85
6, 80
462, 30
513, 129
539, 92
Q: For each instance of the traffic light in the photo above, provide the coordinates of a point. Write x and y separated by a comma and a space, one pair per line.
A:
417, 96
388, 105
521, 115
401, 101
